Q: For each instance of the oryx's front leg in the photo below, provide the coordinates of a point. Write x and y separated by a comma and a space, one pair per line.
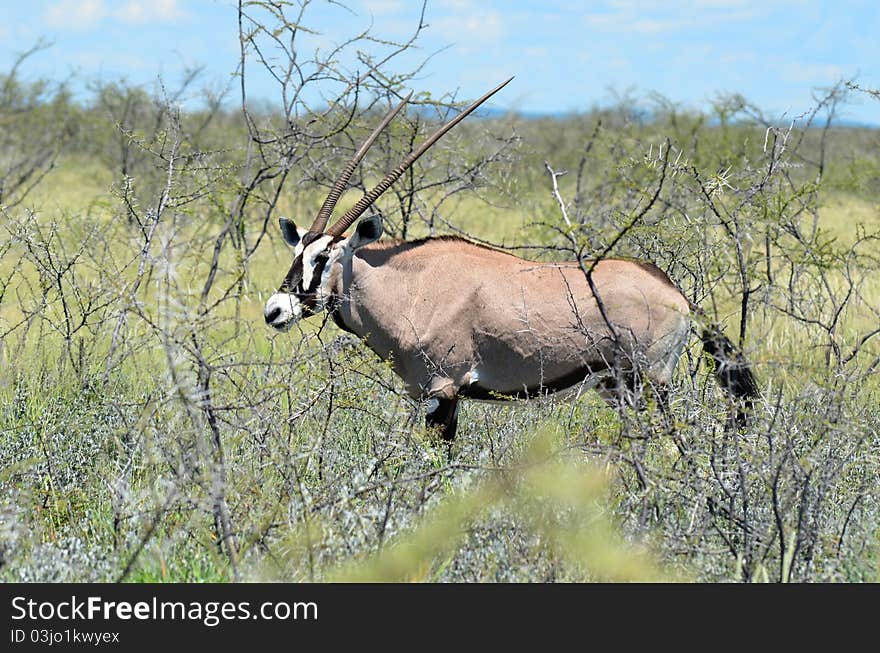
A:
443, 414
442, 407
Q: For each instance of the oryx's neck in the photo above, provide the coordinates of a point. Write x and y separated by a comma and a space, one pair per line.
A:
385, 284
370, 294
403, 300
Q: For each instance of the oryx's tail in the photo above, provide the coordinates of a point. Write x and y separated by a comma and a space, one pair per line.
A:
731, 367
732, 370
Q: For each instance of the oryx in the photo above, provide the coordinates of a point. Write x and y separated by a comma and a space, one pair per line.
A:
457, 319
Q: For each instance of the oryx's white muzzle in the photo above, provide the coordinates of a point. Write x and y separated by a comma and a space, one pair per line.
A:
282, 310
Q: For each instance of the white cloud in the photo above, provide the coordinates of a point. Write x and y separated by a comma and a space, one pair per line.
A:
742, 57
651, 17
630, 23
143, 11
76, 14
819, 73
85, 14
484, 26
382, 7
721, 4
460, 5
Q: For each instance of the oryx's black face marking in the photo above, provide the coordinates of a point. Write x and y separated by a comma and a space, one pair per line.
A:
307, 272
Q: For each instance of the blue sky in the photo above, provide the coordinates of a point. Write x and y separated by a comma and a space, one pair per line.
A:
567, 56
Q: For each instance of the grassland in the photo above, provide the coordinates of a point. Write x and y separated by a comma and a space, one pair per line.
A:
152, 429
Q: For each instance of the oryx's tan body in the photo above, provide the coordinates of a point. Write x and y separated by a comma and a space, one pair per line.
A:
456, 318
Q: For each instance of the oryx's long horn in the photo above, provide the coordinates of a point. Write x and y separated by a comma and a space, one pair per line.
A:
363, 203
345, 175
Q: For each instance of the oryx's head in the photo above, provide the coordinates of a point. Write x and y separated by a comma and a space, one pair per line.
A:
319, 253
315, 274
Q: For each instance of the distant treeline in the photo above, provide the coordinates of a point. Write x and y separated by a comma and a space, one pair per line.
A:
120, 124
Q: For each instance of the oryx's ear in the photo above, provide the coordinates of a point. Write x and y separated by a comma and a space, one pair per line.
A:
369, 229
289, 231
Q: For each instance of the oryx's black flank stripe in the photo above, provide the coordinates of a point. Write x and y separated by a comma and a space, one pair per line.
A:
476, 391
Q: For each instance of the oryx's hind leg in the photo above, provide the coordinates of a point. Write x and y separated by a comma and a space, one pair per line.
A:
620, 391
660, 393
443, 414
633, 392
